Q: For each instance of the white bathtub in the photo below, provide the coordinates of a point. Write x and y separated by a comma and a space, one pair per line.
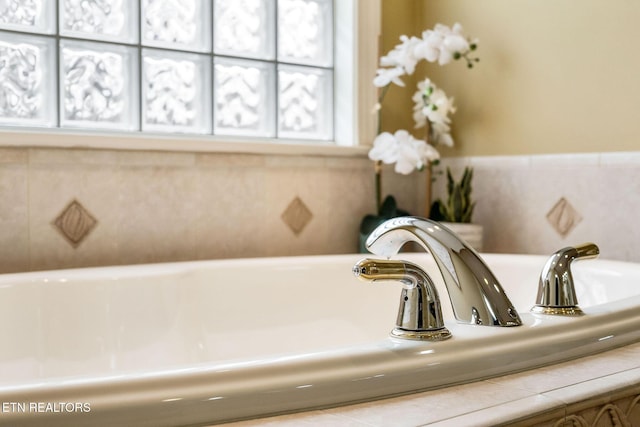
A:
204, 342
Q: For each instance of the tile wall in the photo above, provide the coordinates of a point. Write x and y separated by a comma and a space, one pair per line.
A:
64, 208
538, 204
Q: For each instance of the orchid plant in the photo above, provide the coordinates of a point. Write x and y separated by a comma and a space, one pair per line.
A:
432, 107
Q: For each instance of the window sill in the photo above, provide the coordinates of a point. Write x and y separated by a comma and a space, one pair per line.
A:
84, 139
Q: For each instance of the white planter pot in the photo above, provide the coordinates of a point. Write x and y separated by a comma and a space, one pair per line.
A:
470, 233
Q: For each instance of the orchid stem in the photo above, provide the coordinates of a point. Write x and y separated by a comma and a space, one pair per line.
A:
383, 92
378, 163
378, 170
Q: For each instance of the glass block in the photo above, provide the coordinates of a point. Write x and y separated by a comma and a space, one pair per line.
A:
243, 97
182, 25
305, 32
27, 80
175, 91
305, 102
34, 16
97, 85
244, 28
109, 20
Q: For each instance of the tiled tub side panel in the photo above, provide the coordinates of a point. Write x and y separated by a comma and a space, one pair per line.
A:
526, 202
144, 207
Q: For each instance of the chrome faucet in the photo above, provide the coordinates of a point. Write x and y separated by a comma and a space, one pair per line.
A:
476, 295
556, 293
420, 313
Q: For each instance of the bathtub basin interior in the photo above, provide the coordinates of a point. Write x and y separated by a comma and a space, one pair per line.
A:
241, 338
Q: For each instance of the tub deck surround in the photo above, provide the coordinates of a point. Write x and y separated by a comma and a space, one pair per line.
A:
601, 388
195, 342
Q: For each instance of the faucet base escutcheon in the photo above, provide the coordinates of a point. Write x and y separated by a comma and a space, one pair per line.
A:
437, 335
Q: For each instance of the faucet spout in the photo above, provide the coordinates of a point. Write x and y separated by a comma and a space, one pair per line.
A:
476, 295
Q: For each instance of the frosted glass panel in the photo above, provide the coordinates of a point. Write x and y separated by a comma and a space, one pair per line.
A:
244, 97
176, 90
97, 85
305, 103
112, 20
37, 16
245, 28
177, 24
305, 29
27, 80
260, 68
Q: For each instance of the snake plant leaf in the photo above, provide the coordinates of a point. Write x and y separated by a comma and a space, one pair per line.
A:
459, 207
450, 182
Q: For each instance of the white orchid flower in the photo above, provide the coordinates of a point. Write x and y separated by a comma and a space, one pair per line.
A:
430, 153
429, 47
455, 42
442, 134
385, 149
401, 60
412, 153
419, 118
431, 103
403, 55
401, 148
441, 45
439, 107
388, 75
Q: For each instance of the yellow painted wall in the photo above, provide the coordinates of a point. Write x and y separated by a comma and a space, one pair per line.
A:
555, 76
398, 17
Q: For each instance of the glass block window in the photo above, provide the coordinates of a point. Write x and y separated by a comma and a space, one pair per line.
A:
304, 107
174, 91
245, 28
99, 20
182, 25
255, 68
96, 85
305, 31
34, 16
26, 94
242, 94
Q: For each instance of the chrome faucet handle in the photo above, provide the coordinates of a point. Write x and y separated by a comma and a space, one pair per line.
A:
556, 292
420, 312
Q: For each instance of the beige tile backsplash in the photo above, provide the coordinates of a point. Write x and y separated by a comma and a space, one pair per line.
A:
515, 194
165, 206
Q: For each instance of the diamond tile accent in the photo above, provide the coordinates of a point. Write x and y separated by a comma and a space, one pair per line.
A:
563, 217
75, 223
297, 216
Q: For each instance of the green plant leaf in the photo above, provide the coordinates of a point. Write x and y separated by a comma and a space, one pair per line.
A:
459, 207
450, 182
